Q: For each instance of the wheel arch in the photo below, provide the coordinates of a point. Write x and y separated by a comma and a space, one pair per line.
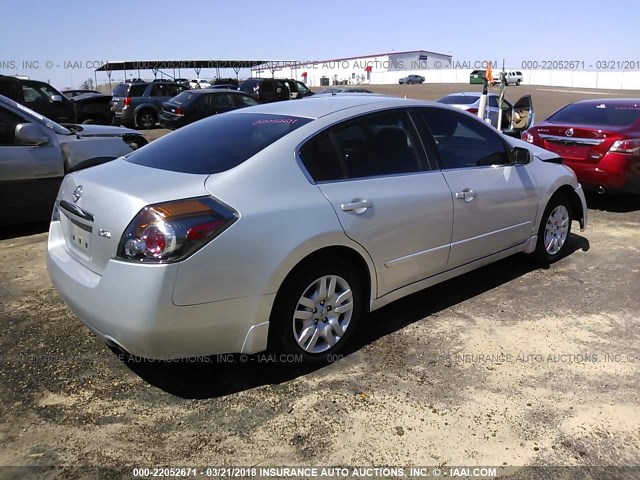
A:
577, 211
359, 260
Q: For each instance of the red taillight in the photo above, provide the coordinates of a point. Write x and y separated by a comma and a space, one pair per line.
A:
204, 230
473, 111
629, 145
527, 137
155, 241
126, 101
179, 111
172, 231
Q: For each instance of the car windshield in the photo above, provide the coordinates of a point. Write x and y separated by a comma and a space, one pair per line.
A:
602, 114
458, 100
217, 143
56, 127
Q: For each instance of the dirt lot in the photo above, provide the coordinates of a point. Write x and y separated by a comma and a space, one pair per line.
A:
509, 365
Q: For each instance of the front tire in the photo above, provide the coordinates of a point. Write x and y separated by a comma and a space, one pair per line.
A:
554, 231
317, 310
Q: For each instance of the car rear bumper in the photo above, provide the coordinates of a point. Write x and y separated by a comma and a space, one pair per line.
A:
614, 172
171, 122
130, 306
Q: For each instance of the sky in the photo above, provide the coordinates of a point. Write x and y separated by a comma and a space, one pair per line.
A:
76, 35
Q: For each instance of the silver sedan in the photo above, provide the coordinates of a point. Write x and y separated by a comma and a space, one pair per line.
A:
280, 226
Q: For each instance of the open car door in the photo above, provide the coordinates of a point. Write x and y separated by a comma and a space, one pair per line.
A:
523, 116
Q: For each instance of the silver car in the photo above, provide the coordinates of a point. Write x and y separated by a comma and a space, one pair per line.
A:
282, 225
516, 117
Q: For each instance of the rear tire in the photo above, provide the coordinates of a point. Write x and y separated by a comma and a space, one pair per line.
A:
317, 310
555, 228
146, 119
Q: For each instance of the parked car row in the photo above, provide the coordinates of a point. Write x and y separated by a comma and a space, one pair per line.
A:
81, 107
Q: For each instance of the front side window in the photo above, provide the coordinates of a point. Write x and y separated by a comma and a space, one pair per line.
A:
463, 142
8, 123
35, 94
379, 144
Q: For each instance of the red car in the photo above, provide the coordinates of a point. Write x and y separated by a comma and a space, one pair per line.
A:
598, 139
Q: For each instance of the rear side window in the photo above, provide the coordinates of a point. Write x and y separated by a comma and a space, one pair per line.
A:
217, 143
136, 90
182, 98
376, 145
120, 90
248, 85
602, 114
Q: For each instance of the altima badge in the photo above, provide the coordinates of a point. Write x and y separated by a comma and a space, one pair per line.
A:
104, 233
77, 193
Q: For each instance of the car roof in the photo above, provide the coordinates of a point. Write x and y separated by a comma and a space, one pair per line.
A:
209, 91
609, 101
314, 108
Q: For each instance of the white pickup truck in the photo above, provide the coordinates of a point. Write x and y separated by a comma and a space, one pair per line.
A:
513, 78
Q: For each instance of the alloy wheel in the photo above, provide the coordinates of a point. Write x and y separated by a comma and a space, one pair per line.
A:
556, 230
323, 314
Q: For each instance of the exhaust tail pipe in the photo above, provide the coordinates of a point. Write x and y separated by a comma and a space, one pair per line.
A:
600, 190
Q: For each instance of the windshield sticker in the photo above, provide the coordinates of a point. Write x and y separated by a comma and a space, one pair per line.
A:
266, 121
602, 105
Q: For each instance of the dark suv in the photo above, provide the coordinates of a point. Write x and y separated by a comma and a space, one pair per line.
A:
139, 103
46, 100
266, 90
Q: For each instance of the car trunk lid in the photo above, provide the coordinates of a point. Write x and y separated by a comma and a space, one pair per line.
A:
97, 204
577, 143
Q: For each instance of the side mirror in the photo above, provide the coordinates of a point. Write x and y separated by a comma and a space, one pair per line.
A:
56, 98
521, 156
30, 134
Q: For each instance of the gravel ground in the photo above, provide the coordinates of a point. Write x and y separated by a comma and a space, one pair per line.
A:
509, 365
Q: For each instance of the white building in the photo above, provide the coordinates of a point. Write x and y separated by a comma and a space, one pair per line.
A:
355, 70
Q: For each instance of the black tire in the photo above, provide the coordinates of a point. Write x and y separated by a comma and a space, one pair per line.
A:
517, 83
554, 218
90, 121
146, 119
301, 282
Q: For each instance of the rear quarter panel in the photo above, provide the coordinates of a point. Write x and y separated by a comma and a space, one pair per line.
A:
283, 219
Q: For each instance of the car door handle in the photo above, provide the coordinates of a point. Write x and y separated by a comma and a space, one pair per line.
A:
467, 195
356, 206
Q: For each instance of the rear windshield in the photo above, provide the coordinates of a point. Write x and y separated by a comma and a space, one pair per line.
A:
182, 98
601, 114
217, 143
458, 100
